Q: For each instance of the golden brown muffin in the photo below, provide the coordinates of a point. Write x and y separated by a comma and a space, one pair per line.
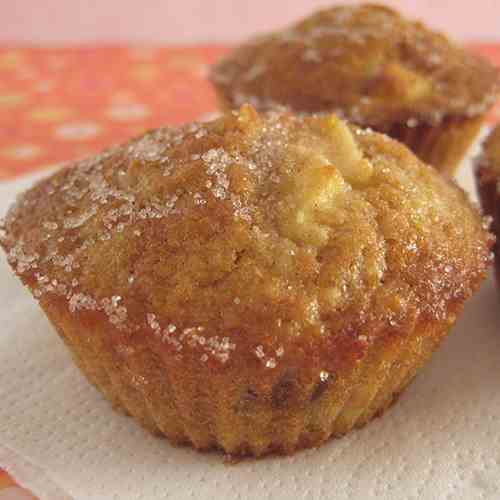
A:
255, 284
487, 175
372, 66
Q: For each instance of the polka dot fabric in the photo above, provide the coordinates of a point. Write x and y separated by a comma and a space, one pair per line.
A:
9, 490
61, 104
58, 105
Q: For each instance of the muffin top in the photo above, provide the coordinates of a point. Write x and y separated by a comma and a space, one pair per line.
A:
491, 151
366, 63
257, 238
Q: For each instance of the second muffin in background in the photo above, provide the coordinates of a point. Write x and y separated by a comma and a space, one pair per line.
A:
375, 68
487, 175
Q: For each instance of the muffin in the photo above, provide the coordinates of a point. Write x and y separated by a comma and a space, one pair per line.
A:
487, 175
372, 66
255, 284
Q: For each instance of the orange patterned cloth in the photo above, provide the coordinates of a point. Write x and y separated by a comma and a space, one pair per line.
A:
62, 104
58, 105
10, 490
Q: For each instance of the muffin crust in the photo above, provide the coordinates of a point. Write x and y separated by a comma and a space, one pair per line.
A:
257, 283
365, 62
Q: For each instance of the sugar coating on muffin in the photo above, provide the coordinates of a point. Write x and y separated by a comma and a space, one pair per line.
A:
366, 62
237, 238
258, 283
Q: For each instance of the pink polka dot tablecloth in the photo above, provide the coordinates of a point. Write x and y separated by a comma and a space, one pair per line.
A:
62, 104
10, 490
58, 105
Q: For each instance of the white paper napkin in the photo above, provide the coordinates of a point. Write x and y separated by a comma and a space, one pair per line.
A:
441, 440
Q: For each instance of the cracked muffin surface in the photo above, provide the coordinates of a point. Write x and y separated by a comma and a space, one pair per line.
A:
256, 283
374, 67
368, 62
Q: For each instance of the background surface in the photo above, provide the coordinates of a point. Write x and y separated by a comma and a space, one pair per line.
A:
191, 21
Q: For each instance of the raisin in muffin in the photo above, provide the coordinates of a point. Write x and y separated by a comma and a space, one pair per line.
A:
374, 67
487, 175
256, 284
